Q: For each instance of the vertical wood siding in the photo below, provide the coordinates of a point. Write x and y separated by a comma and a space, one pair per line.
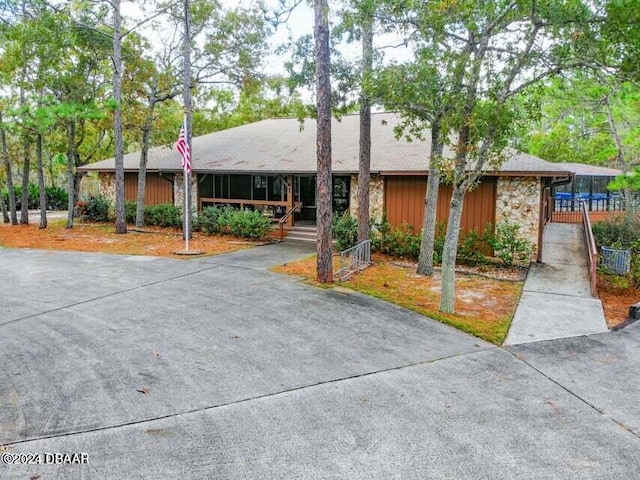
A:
157, 190
404, 203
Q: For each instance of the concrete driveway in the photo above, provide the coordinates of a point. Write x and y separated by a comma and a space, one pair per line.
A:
217, 368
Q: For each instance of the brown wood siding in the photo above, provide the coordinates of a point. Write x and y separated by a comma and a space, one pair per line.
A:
404, 203
157, 190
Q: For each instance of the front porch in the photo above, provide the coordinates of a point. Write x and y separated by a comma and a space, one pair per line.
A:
278, 196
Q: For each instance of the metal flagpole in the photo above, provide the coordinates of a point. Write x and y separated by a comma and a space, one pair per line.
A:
185, 174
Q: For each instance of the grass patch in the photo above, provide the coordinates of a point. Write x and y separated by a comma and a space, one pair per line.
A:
484, 306
99, 237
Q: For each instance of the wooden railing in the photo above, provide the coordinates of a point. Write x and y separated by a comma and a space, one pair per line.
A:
592, 249
297, 206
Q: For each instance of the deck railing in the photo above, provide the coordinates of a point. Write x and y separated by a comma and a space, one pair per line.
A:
295, 208
354, 259
592, 249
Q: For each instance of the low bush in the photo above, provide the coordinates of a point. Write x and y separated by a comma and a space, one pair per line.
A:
509, 246
344, 229
250, 224
56, 197
95, 209
207, 220
473, 247
617, 232
163, 215
241, 223
397, 242
130, 211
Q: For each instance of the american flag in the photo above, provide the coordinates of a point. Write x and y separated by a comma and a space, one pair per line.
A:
183, 147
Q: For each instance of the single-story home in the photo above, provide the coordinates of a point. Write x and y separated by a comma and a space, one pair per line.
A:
271, 165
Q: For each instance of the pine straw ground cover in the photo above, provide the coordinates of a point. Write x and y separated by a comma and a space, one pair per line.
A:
617, 296
484, 306
96, 237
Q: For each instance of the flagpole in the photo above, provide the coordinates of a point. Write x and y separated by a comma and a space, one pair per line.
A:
187, 207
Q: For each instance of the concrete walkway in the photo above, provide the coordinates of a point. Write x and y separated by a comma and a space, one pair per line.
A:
556, 301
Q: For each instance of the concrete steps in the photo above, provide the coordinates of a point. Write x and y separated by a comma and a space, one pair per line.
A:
302, 234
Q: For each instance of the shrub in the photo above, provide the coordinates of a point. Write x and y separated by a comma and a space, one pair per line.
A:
163, 215
207, 220
130, 211
472, 247
509, 246
95, 209
617, 232
241, 223
397, 242
344, 231
57, 198
250, 224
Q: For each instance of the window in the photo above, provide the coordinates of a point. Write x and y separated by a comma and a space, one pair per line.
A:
259, 187
205, 186
240, 186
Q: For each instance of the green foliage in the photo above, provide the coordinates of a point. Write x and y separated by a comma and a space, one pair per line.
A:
250, 224
241, 223
473, 246
345, 231
95, 209
207, 220
163, 215
508, 246
130, 211
634, 271
617, 232
397, 242
56, 197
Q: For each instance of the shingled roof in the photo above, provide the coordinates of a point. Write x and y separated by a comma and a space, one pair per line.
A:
287, 146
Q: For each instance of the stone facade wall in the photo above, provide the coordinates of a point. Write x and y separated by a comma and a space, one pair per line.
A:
518, 202
376, 197
178, 190
107, 186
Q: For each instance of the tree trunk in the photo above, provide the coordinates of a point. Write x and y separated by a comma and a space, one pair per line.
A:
71, 162
9, 176
448, 293
621, 162
121, 223
41, 184
364, 168
144, 152
323, 144
427, 247
5, 213
26, 168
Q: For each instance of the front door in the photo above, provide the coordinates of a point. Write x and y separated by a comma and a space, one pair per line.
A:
305, 192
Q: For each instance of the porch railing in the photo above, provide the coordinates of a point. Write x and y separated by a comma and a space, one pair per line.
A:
296, 208
592, 250
354, 259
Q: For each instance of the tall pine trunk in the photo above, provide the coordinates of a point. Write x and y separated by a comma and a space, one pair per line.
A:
144, 155
121, 223
447, 296
9, 176
427, 246
26, 168
323, 143
41, 184
71, 163
364, 168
